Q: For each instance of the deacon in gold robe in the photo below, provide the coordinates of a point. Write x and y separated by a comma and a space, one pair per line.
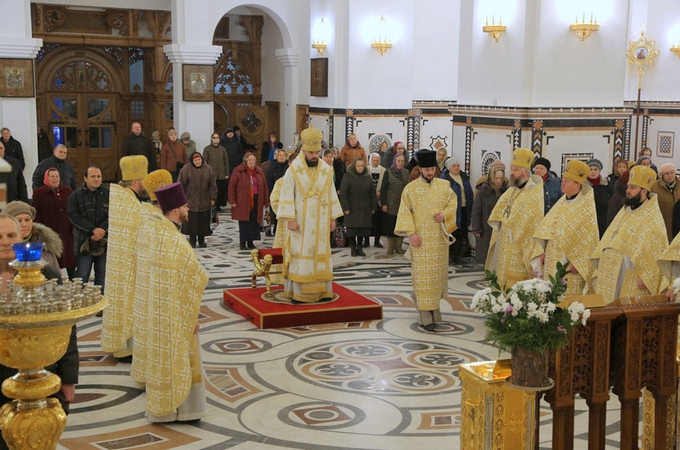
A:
172, 371
121, 256
568, 233
625, 259
669, 263
514, 220
310, 205
427, 216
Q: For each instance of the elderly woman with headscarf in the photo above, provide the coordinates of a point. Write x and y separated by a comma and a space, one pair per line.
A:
51, 208
377, 176
248, 196
358, 200
394, 181
488, 193
35, 232
460, 183
200, 188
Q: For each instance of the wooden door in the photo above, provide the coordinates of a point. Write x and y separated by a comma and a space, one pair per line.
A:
253, 122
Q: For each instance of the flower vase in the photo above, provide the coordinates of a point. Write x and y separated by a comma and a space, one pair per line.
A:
529, 368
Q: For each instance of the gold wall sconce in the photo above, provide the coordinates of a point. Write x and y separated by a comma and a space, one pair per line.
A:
319, 43
495, 31
676, 49
320, 47
583, 29
382, 43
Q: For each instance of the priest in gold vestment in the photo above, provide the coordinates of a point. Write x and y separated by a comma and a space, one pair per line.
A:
568, 233
427, 216
168, 360
669, 263
626, 257
121, 256
514, 220
309, 205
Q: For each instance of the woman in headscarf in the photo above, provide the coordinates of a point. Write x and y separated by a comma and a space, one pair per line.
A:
248, 196
173, 155
394, 181
200, 188
377, 175
51, 208
488, 193
269, 147
358, 200
216, 157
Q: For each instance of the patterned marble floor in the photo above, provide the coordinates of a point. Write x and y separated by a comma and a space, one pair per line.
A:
366, 385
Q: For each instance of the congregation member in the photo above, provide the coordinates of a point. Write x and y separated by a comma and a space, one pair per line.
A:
394, 182
216, 157
88, 210
620, 165
269, 147
377, 176
310, 205
489, 190
57, 161
551, 184
618, 198
602, 192
352, 150
13, 148
189, 145
277, 170
235, 152
14, 180
568, 232
460, 183
427, 216
392, 150
44, 144
125, 201
198, 181
646, 154
513, 220
248, 196
338, 166
358, 200
625, 259
51, 209
137, 143
157, 146
167, 362
384, 153
32, 231
173, 155
245, 145
668, 192
442, 157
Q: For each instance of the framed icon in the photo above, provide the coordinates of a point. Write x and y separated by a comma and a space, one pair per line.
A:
16, 78
319, 77
198, 83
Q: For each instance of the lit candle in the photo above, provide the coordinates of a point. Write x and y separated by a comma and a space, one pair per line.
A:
28, 251
591, 17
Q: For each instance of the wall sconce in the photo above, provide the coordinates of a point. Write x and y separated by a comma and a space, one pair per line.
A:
319, 44
584, 29
382, 43
676, 49
495, 31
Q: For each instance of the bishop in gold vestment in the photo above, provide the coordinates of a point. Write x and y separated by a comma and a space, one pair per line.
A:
310, 205
427, 216
514, 220
568, 233
626, 256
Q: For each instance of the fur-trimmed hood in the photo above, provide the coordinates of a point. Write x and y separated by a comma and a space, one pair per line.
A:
50, 237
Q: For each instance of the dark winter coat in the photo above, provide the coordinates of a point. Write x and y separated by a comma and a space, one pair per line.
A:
88, 210
485, 200
216, 158
140, 145
552, 191
44, 146
267, 152
239, 193
234, 150
667, 200
616, 201
199, 185
339, 170
67, 176
15, 182
469, 195
357, 194
13, 149
602, 194
276, 171
52, 210
392, 187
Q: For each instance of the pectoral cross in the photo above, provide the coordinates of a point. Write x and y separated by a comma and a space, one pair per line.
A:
508, 209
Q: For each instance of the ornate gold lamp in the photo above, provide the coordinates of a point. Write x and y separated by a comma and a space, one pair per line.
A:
35, 326
382, 42
676, 49
584, 29
494, 30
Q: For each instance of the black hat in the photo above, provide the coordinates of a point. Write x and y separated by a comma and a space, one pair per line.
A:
426, 158
542, 161
236, 128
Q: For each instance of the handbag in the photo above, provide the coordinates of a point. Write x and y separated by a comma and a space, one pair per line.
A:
266, 219
214, 217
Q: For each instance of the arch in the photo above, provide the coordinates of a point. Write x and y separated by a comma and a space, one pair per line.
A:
280, 23
68, 54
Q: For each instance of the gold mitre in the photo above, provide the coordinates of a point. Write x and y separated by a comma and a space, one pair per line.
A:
156, 180
311, 139
133, 167
522, 157
577, 171
642, 176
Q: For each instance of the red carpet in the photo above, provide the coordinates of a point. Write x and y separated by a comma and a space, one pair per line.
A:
350, 307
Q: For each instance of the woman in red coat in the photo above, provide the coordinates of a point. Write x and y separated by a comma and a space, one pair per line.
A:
248, 195
51, 208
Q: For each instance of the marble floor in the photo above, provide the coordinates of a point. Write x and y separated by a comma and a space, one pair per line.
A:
366, 385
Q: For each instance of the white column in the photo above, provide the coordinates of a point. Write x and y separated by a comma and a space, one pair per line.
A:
195, 117
289, 59
19, 113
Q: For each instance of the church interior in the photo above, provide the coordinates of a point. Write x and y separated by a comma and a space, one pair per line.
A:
564, 78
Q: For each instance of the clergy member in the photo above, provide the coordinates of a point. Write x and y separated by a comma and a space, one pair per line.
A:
514, 220
626, 256
309, 204
121, 258
568, 233
427, 215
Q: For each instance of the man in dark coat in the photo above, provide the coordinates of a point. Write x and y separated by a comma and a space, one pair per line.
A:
59, 162
44, 145
235, 152
88, 210
138, 144
247, 147
12, 147
14, 180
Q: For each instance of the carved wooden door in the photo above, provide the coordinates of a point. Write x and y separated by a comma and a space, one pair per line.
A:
252, 120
